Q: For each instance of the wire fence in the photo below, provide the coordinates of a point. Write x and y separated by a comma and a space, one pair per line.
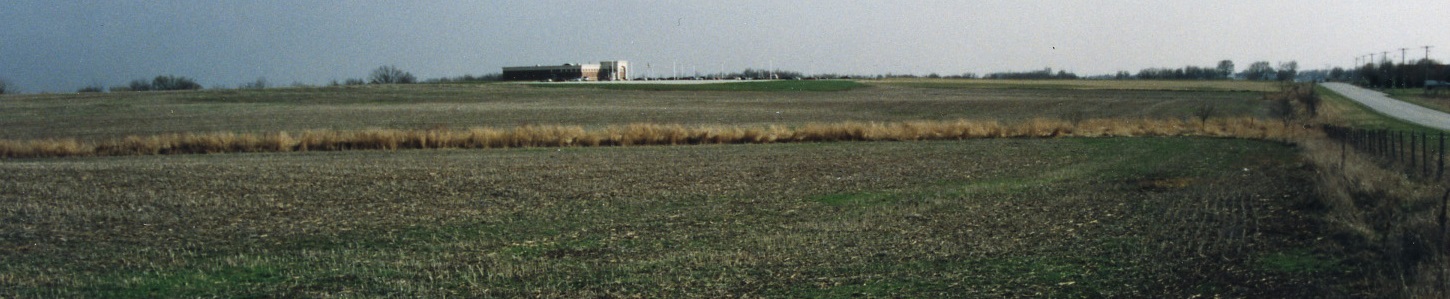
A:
1420, 155
1417, 154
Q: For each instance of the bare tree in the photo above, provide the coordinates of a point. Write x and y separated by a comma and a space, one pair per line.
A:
1204, 112
261, 83
1310, 98
3, 85
1288, 70
1282, 106
390, 75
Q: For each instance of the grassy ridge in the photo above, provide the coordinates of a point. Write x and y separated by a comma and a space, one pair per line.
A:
635, 134
773, 85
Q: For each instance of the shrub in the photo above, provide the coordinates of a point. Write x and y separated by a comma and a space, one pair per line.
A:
91, 89
261, 83
174, 83
140, 85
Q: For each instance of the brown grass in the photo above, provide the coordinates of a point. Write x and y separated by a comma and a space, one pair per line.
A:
635, 135
1387, 219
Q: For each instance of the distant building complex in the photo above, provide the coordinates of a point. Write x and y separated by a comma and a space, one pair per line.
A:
604, 71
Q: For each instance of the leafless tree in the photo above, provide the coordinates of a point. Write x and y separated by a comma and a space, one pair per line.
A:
1204, 112
390, 75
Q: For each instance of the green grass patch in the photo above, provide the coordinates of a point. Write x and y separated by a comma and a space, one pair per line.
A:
235, 281
774, 85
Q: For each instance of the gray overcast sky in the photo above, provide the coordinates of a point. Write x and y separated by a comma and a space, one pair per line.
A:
59, 46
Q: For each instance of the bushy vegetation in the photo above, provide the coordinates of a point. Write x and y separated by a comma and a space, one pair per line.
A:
174, 83
91, 89
1223, 71
162, 83
1045, 73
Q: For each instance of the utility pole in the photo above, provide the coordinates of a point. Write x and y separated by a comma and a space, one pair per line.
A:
1385, 56
1402, 55
1426, 62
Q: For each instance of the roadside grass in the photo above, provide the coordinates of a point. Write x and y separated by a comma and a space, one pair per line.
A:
874, 219
1158, 85
1378, 220
1417, 96
764, 86
1342, 111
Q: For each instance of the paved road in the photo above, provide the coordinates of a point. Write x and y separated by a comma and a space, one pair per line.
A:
1392, 107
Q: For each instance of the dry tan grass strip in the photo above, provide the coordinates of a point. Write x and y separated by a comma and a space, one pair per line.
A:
638, 134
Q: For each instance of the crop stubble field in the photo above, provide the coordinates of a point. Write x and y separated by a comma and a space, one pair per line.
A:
1134, 217
114, 115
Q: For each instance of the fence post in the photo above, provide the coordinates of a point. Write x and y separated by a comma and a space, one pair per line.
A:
1342, 145
1395, 147
1400, 147
1384, 140
1410, 170
1441, 173
1379, 142
1425, 154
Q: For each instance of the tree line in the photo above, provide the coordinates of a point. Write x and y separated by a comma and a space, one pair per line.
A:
382, 75
1391, 75
1045, 73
